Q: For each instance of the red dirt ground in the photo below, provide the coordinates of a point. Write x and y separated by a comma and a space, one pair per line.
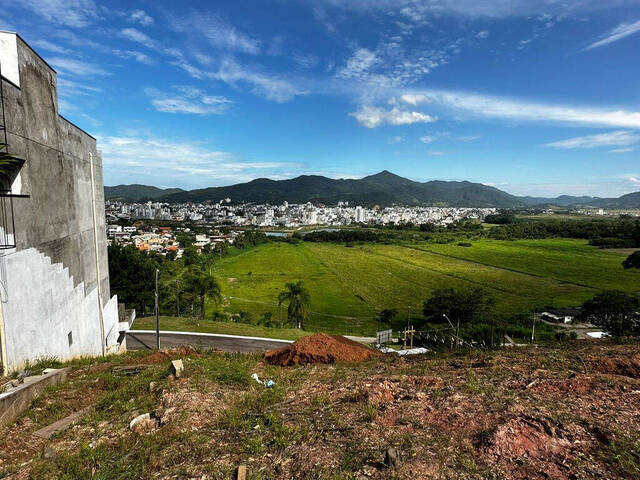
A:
628, 366
320, 348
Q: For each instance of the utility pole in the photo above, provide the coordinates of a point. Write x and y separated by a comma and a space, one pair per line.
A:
458, 334
157, 318
408, 316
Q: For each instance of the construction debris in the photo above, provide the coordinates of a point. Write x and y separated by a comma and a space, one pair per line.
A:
241, 474
128, 370
143, 424
177, 368
321, 348
402, 353
60, 425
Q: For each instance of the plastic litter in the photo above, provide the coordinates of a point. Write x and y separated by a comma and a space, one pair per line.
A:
402, 353
267, 384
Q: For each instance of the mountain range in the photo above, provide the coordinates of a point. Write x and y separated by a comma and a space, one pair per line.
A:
384, 188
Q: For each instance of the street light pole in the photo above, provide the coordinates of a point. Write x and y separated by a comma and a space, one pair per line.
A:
533, 328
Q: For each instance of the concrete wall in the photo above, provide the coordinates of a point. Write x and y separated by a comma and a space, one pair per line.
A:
50, 280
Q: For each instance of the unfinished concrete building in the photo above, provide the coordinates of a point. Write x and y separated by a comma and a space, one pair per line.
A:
54, 277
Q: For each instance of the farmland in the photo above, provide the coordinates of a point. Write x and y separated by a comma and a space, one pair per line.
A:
350, 285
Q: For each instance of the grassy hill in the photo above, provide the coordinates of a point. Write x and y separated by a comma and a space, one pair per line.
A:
136, 192
350, 285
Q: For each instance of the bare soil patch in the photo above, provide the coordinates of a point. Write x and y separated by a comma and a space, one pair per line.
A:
627, 365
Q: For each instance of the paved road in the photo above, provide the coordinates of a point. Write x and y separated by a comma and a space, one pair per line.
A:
140, 339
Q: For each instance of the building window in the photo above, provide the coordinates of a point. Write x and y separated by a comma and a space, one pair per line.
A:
70, 338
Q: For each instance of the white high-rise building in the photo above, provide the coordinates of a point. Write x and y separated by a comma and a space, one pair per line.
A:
360, 214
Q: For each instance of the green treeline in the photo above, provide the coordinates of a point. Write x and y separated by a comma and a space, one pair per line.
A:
183, 284
605, 233
620, 233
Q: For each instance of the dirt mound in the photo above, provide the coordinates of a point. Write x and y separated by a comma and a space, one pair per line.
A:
320, 348
628, 366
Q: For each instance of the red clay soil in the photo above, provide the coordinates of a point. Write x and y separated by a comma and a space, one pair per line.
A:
320, 348
628, 366
540, 440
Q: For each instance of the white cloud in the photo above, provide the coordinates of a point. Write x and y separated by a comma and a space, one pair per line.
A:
621, 31
138, 56
482, 34
622, 150
396, 139
610, 139
428, 139
414, 99
395, 63
137, 36
76, 67
436, 153
272, 88
422, 11
372, 117
358, 66
50, 47
71, 13
305, 60
486, 106
217, 32
145, 157
187, 100
141, 17
70, 110
69, 88
468, 138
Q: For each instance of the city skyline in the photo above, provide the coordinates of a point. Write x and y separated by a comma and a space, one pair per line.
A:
533, 98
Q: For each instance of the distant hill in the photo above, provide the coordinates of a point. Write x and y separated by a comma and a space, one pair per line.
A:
136, 192
384, 188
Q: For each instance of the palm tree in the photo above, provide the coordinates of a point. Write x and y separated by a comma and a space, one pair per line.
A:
299, 299
204, 285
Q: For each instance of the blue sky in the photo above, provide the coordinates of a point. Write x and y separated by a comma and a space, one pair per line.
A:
536, 97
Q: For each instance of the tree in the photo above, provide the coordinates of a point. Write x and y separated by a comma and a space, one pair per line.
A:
203, 284
299, 300
190, 256
387, 315
632, 261
465, 306
132, 275
614, 311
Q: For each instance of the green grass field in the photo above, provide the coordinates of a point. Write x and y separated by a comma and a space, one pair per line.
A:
350, 285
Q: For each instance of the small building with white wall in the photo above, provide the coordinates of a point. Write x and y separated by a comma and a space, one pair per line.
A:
54, 276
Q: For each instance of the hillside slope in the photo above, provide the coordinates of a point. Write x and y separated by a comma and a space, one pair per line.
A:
384, 188
563, 412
